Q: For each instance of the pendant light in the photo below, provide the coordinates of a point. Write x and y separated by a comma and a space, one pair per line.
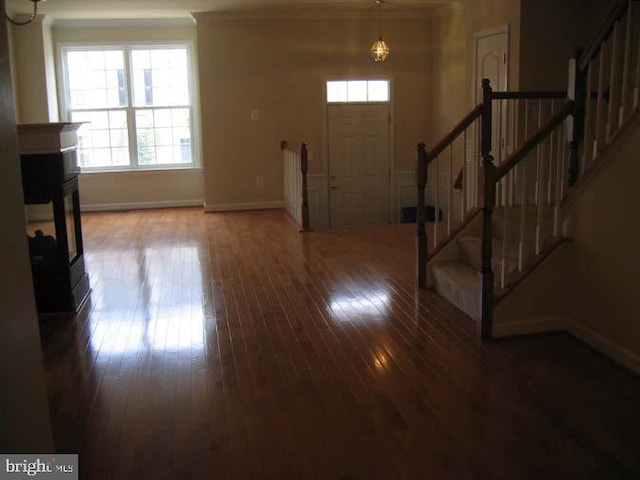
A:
379, 49
30, 19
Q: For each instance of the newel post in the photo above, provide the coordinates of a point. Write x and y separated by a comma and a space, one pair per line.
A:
575, 122
304, 167
489, 198
421, 216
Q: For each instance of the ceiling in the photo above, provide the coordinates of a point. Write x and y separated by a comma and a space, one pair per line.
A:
139, 9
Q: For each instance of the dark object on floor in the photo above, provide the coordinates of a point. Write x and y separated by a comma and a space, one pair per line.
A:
409, 214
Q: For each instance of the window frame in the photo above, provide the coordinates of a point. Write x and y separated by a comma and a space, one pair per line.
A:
130, 109
357, 102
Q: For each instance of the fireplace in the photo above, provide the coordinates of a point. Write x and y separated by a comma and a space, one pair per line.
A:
54, 227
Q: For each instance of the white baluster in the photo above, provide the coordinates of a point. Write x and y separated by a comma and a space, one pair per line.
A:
613, 82
599, 103
625, 67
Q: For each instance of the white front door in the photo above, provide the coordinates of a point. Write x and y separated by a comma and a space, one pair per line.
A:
358, 164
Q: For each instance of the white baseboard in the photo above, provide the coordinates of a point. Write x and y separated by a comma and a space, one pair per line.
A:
233, 207
619, 354
530, 327
105, 207
556, 324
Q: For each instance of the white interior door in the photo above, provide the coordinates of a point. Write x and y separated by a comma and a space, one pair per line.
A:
358, 164
492, 62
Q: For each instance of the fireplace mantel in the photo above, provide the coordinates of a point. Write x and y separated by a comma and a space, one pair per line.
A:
38, 138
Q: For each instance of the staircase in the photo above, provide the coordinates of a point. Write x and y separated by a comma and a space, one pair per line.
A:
459, 279
532, 153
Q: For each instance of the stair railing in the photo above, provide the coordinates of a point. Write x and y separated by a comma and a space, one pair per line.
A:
532, 216
517, 115
530, 179
463, 130
296, 192
607, 84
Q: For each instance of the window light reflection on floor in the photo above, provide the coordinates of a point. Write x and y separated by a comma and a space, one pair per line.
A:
354, 306
140, 305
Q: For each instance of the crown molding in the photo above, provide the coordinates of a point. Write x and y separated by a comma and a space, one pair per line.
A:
319, 12
188, 21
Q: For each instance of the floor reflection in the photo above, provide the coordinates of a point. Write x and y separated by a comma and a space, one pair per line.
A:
147, 299
369, 305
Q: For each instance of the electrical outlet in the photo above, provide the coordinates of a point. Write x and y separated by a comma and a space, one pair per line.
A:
255, 114
259, 181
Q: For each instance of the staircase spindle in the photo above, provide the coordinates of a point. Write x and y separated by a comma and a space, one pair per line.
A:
488, 203
550, 161
465, 178
613, 85
304, 168
505, 233
450, 190
587, 153
599, 102
421, 240
558, 181
538, 158
636, 77
436, 202
625, 66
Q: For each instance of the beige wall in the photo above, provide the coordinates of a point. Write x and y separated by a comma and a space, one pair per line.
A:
279, 67
24, 416
588, 285
136, 189
29, 69
453, 29
34, 49
606, 241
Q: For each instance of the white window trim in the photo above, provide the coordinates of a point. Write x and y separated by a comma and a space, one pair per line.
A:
64, 101
358, 102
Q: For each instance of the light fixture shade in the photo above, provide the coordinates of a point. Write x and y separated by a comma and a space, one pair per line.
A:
380, 50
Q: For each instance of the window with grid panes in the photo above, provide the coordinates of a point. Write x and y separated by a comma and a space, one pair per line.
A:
136, 102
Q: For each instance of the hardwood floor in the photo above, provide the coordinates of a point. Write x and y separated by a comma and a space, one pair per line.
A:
231, 346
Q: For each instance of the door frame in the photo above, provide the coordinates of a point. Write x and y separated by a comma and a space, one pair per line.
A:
325, 140
503, 29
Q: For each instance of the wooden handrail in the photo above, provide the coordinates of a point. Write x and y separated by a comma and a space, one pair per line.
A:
524, 149
454, 133
605, 30
284, 145
526, 95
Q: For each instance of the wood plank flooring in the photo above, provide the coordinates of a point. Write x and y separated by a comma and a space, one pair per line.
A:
231, 346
